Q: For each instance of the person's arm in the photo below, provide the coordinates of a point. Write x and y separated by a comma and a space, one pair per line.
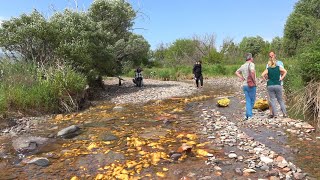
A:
238, 73
253, 71
264, 74
194, 69
283, 73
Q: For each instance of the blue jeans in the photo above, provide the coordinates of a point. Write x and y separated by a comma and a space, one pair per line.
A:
250, 94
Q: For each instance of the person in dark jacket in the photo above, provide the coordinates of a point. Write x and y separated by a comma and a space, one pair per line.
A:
138, 78
197, 71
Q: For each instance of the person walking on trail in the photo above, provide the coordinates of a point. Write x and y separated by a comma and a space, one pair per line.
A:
275, 74
248, 68
279, 63
197, 72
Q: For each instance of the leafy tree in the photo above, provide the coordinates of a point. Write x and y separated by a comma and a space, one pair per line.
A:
310, 68
75, 40
133, 53
302, 26
29, 36
182, 51
276, 46
214, 57
230, 50
254, 45
159, 54
98, 42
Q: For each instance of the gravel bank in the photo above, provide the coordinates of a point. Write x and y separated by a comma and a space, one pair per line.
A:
152, 90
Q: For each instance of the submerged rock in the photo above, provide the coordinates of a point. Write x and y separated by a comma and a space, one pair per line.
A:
28, 144
40, 161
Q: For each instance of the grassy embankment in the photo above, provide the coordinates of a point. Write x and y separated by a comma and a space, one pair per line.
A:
31, 90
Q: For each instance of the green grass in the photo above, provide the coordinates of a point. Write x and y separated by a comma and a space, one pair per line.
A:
24, 87
185, 72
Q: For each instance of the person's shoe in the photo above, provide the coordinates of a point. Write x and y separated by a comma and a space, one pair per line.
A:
270, 116
285, 116
244, 118
250, 118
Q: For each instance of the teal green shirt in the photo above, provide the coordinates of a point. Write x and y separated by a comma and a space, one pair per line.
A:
273, 76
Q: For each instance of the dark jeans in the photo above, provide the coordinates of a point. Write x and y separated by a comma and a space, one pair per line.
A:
201, 80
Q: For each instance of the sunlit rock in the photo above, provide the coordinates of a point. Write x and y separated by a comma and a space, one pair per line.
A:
223, 102
184, 147
261, 104
68, 132
118, 108
161, 174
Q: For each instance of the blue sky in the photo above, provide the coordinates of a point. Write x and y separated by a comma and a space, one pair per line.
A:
164, 21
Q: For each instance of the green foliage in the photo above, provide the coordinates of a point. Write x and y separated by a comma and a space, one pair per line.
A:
254, 45
213, 57
293, 81
182, 51
31, 36
310, 66
302, 26
97, 42
230, 51
26, 87
276, 46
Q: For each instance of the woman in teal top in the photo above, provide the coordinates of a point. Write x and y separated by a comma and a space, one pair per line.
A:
272, 74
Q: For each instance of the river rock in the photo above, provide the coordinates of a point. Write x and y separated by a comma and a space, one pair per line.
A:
266, 160
40, 161
232, 155
118, 108
28, 144
238, 171
108, 137
175, 156
69, 131
299, 175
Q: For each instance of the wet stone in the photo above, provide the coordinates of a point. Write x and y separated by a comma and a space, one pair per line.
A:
108, 137
69, 132
238, 171
28, 144
175, 156
97, 124
264, 168
43, 162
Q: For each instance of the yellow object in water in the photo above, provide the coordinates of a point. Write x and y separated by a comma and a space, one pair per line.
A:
261, 104
224, 102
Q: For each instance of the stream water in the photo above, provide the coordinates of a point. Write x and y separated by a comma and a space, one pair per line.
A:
139, 142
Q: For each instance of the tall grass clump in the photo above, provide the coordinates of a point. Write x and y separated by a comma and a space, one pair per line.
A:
30, 88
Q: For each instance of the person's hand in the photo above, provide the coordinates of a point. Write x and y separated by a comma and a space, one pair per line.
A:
241, 79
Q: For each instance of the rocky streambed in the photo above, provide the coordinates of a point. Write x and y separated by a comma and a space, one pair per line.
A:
164, 130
